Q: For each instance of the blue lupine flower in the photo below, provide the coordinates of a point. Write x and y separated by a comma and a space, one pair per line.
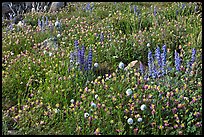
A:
42, 23
193, 56
76, 44
82, 55
10, 17
176, 12
71, 57
135, 9
86, 64
39, 23
46, 21
141, 68
90, 59
158, 57
155, 11
88, 7
79, 56
183, 6
150, 59
11, 26
101, 37
177, 61
154, 70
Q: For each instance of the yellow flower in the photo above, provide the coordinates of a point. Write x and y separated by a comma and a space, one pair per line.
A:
182, 125
57, 105
97, 130
135, 96
177, 90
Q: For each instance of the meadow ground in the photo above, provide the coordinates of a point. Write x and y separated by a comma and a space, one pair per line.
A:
63, 73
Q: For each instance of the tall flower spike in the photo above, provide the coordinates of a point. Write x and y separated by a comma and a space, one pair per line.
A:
177, 61
158, 57
82, 56
135, 9
155, 11
101, 37
90, 59
193, 56
39, 23
163, 57
154, 70
150, 63
46, 21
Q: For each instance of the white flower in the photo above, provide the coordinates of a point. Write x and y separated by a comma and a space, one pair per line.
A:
143, 107
86, 115
148, 45
44, 51
128, 92
139, 119
93, 105
121, 65
96, 96
72, 100
130, 121
50, 53
56, 110
96, 65
58, 35
12, 53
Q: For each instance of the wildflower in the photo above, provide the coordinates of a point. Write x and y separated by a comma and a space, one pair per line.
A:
192, 57
160, 127
175, 126
96, 96
198, 124
154, 70
163, 57
128, 92
93, 105
57, 23
150, 61
148, 45
139, 119
58, 35
158, 56
121, 65
39, 23
46, 21
82, 55
130, 121
96, 65
97, 131
56, 110
155, 11
12, 53
57, 105
143, 107
50, 53
182, 125
86, 115
72, 100
101, 37
89, 59
177, 61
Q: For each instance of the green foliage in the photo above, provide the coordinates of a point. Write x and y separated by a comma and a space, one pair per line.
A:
44, 93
